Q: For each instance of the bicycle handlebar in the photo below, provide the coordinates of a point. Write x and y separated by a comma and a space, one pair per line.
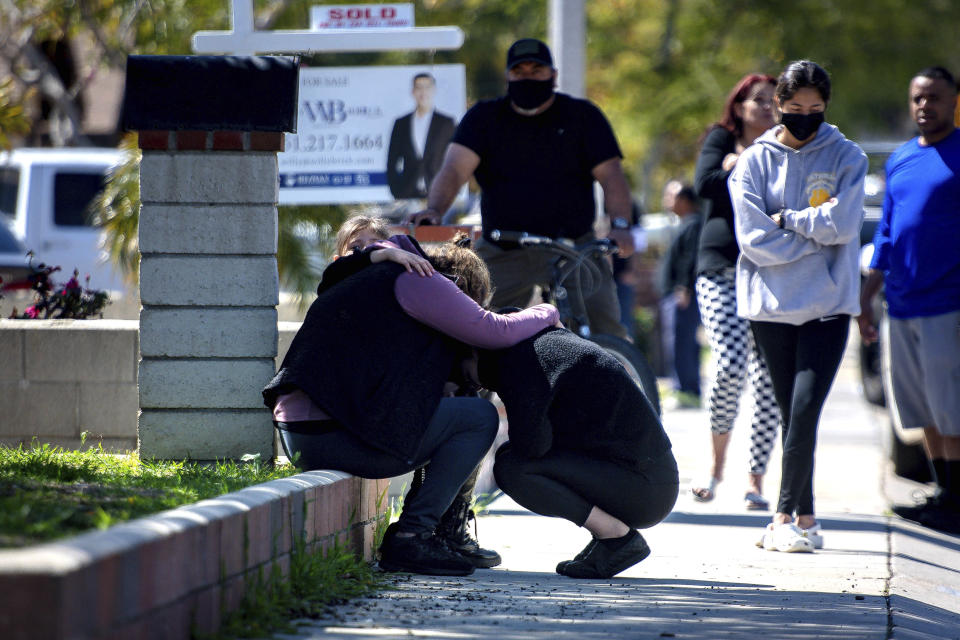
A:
603, 245
520, 237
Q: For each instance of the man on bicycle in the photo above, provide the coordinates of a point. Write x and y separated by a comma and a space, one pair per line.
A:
535, 154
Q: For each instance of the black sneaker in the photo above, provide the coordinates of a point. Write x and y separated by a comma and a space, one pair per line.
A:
577, 558
422, 553
454, 531
601, 562
916, 511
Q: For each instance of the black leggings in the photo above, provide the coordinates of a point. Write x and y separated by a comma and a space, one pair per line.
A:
566, 484
803, 361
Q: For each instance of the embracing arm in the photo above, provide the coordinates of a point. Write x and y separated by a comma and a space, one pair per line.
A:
760, 238
438, 303
345, 266
836, 221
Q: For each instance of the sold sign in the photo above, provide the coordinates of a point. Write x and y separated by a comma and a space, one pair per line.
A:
362, 16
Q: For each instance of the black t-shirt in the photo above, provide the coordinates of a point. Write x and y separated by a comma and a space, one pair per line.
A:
535, 171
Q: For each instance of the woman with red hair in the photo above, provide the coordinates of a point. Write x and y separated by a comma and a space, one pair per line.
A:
747, 113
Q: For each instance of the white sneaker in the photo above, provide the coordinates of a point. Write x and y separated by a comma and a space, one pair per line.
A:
814, 535
786, 537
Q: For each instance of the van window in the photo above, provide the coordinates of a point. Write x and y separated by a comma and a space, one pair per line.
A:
9, 179
8, 244
72, 194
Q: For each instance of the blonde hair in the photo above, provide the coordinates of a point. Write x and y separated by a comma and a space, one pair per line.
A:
354, 225
470, 273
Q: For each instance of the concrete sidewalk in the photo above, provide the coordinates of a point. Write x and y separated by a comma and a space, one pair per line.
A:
878, 577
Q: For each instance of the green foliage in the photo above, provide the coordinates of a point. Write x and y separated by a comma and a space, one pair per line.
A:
68, 301
13, 120
305, 242
316, 581
662, 69
116, 209
383, 520
47, 492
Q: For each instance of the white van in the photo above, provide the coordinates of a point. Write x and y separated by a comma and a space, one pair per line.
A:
44, 195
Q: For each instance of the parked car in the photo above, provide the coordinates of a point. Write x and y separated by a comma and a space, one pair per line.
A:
45, 195
14, 264
905, 448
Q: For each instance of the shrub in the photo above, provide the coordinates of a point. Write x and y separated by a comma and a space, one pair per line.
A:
53, 301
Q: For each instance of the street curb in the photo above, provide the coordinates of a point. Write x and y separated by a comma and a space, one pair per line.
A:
177, 572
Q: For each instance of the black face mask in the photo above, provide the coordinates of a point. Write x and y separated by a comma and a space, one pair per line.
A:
530, 94
802, 126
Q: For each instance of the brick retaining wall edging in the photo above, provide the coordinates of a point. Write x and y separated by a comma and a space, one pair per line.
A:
167, 574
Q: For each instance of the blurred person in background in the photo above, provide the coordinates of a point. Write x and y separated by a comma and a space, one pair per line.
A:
747, 113
678, 271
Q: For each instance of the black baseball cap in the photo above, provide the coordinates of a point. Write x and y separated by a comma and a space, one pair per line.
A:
528, 50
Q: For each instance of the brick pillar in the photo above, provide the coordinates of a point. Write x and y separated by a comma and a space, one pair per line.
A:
208, 241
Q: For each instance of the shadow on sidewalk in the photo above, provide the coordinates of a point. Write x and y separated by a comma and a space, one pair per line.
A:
512, 604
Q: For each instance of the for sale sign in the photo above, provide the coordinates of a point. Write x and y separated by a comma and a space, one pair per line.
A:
362, 16
370, 134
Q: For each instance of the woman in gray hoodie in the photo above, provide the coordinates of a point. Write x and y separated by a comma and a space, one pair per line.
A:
797, 197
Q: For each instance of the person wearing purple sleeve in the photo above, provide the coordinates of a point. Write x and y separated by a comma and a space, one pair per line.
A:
361, 387
916, 259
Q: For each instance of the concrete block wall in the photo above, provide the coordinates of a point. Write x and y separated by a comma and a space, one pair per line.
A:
177, 573
59, 378
209, 289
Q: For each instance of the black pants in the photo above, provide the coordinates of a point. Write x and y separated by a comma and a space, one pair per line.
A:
803, 361
686, 349
457, 437
567, 484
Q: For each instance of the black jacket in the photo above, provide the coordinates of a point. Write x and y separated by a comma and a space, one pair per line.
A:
678, 268
404, 167
564, 392
368, 364
718, 243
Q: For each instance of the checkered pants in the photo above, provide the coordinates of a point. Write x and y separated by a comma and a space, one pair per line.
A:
735, 357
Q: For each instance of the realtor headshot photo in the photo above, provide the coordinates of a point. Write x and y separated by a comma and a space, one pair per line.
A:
418, 142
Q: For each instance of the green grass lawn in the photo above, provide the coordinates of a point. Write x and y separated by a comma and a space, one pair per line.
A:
48, 493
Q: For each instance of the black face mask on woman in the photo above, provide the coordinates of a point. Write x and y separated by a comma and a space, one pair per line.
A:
802, 125
530, 94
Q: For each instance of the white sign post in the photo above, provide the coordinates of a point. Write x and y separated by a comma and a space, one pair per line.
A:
243, 39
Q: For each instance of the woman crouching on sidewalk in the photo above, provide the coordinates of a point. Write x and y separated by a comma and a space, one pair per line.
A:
361, 388
585, 445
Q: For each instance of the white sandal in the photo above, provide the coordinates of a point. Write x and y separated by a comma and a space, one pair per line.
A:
709, 488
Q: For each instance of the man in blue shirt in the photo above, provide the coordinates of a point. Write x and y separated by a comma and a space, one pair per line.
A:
917, 258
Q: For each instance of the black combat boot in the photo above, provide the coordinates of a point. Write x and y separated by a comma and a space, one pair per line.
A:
421, 553
454, 531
